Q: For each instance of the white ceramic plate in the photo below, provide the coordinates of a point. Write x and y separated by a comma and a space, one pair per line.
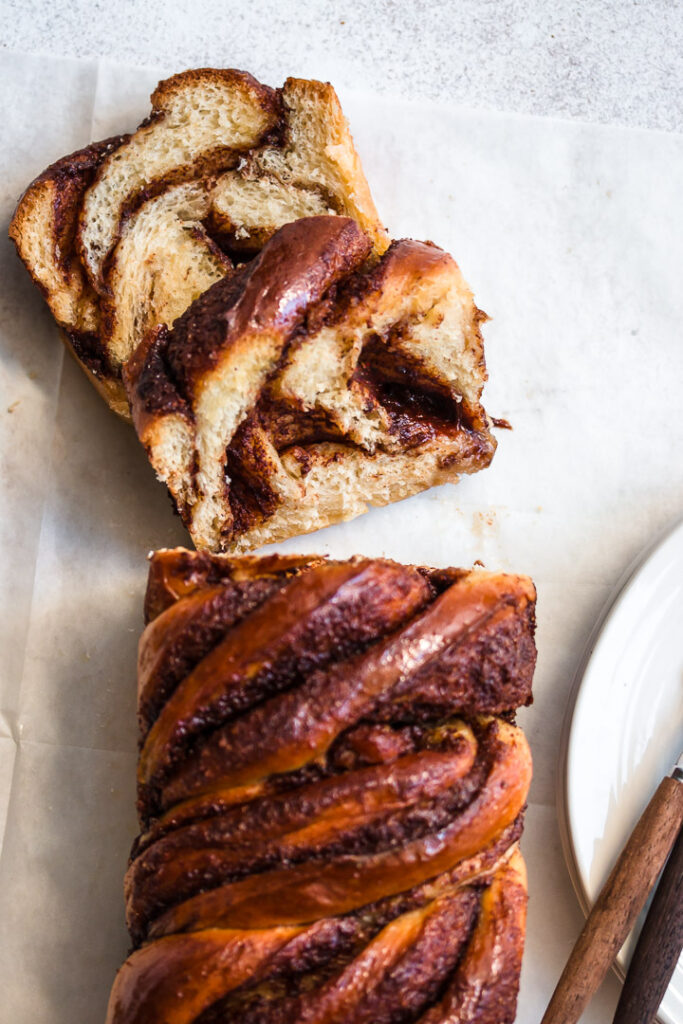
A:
625, 730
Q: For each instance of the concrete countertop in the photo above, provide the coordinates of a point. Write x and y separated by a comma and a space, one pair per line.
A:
608, 61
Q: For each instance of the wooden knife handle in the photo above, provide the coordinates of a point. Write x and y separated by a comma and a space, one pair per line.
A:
659, 947
618, 905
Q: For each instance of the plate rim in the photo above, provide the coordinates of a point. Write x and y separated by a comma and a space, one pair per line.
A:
619, 590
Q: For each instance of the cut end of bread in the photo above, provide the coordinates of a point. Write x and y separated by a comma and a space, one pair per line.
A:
43, 229
147, 285
336, 483
201, 121
125, 234
318, 381
247, 211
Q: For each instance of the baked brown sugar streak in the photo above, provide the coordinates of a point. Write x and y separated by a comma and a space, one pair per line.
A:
331, 792
125, 234
318, 380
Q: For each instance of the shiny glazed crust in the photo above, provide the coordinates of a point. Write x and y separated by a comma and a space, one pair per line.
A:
126, 233
317, 381
330, 802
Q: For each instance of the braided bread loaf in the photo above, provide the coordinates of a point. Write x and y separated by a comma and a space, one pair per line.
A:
123, 234
330, 806
318, 380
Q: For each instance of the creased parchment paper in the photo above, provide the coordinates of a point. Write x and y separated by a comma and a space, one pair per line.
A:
571, 237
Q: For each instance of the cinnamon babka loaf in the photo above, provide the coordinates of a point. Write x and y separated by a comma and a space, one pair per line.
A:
319, 379
124, 234
331, 792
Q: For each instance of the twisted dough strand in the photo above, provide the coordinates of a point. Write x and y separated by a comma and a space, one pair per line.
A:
330, 803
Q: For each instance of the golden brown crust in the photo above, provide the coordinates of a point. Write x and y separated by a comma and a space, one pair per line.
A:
60, 187
484, 988
270, 296
165, 91
335, 864
109, 386
175, 573
43, 230
392, 963
308, 891
146, 987
356, 191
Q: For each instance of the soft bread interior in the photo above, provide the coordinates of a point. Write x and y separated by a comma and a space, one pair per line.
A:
146, 286
318, 375
198, 118
251, 209
371, 394
424, 312
335, 483
225, 398
167, 428
319, 154
170, 443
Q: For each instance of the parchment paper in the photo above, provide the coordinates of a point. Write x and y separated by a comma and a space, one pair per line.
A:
571, 237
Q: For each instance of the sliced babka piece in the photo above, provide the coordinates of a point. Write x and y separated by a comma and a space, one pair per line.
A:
125, 234
318, 380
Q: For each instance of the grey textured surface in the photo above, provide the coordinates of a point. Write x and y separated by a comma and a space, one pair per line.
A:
610, 61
